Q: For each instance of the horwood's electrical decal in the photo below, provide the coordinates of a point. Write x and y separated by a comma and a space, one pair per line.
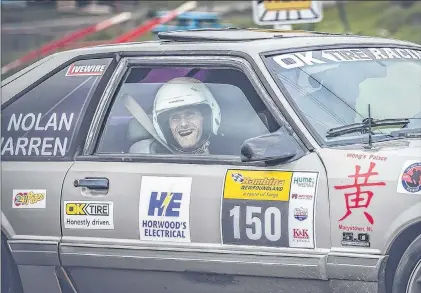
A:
164, 209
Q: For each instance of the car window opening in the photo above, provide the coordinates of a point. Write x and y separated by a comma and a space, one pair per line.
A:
145, 121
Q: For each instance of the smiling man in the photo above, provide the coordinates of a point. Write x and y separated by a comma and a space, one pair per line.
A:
186, 115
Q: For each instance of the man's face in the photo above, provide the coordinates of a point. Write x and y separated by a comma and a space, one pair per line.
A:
186, 126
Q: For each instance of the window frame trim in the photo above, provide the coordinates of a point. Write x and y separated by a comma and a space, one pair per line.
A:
313, 132
75, 144
115, 82
51, 73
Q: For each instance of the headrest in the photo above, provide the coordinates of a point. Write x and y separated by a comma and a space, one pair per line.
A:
137, 132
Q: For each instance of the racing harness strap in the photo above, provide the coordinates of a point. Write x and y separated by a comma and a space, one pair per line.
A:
139, 114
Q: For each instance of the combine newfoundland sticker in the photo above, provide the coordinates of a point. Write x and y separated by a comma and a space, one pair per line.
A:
89, 215
164, 209
257, 185
410, 178
86, 70
29, 198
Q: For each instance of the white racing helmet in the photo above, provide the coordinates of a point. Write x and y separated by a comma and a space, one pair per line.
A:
183, 92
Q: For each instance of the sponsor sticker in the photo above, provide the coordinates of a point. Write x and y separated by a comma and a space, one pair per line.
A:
255, 208
257, 185
366, 156
302, 196
310, 58
300, 236
354, 239
89, 215
269, 208
164, 209
410, 178
86, 70
304, 180
301, 213
301, 210
29, 198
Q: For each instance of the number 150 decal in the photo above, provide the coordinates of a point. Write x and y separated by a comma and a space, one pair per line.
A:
255, 208
257, 223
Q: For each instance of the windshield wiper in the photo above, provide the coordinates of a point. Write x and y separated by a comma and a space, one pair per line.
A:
366, 126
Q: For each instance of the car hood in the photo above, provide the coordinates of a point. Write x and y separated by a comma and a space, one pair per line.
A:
401, 148
393, 153
394, 203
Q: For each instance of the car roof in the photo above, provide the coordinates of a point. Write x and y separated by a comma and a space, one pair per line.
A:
251, 41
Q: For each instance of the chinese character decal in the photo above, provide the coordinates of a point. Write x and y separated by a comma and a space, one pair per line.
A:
360, 198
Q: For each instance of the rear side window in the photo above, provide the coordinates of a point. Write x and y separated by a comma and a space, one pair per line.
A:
43, 122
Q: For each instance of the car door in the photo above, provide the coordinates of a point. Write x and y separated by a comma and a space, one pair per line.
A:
39, 140
137, 219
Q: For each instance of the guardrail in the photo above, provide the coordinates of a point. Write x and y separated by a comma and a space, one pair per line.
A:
69, 40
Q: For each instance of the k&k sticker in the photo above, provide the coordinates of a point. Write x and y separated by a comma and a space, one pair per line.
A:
164, 209
410, 178
29, 198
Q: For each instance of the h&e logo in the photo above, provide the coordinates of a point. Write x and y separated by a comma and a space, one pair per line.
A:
165, 204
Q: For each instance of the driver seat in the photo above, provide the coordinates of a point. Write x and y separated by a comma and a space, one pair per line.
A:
141, 140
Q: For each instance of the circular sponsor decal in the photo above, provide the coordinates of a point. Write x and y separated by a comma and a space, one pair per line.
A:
300, 213
411, 178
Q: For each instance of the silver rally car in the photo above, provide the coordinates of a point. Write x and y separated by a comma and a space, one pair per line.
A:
216, 161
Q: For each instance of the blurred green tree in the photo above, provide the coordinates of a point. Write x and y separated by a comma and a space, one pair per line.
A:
404, 3
342, 15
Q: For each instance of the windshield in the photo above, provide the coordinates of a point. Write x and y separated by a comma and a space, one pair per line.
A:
333, 88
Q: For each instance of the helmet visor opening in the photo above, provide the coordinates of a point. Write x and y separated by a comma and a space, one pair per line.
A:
186, 128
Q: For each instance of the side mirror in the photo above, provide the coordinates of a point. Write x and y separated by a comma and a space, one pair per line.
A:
273, 148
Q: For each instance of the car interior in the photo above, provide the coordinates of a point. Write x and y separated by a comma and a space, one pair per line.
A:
243, 113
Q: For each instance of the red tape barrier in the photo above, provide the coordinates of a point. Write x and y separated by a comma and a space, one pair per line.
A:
150, 24
71, 37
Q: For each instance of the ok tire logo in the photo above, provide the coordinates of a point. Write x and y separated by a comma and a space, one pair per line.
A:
87, 209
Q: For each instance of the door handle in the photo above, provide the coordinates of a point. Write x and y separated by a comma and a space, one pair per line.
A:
100, 183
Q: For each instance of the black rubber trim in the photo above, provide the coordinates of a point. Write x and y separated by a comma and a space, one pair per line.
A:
381, 277
87, 113
56, 70
64, 281
177, 159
